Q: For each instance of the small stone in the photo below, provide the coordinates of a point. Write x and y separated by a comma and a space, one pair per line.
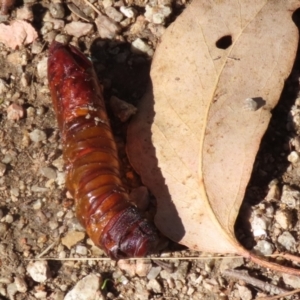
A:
287, 241
114, 14
273, 193
107, 28
157, 14
230, 263
259, 225
122, 109
53, 225
138, 45
25, 13
21, 284
59, 163
78, 29
250, 104
72, 238
2, 169
181, 271
128, 12
9, 218
37, 135
293, 157
38, 270
123, 279
15, 112
107, 3
153, 273
127, 266
36, 47
81, 250
11, 290
42, 67
284, 218
244, 292
264, 248
37, 204
143, 267
48, 172
290, 197
293, 281
57, 10
40, 295
154, 286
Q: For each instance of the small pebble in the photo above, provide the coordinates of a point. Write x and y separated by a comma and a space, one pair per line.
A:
143, 267
293, 157
25, 13
42, 67
48, 172
15, 112
37, 135
284, 218
250, 104
154, 286
38, 270
128, 12
259, 225
264, 248
3, 229
153, 273
287, 241
245, 293
57, 10
72, 238
107, 27
114, 14
290, 197
157, 14
37, 204
293, 281
9, 218
81, 250
122, 109
138, 45
78, 29
127, 266
21, 284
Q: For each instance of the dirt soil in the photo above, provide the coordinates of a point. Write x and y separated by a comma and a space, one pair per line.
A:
44, 252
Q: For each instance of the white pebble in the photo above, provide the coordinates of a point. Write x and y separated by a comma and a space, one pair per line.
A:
293, 157
48, 172
86, 289
264, 248
290, 197
153, 273
81, 250
37, 135
157, 14
138, 45
37, 204
21, 284
244, 292
250, 104
259, 225
38, 270
128, 12
287, 241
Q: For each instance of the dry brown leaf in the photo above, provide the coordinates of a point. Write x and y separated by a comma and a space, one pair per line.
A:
195, 143
16, 34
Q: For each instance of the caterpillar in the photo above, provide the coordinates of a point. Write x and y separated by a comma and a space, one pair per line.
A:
91, 160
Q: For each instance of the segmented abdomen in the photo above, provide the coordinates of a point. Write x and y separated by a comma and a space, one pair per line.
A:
90, 154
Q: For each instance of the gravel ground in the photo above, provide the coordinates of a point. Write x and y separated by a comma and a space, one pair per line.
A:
44, 252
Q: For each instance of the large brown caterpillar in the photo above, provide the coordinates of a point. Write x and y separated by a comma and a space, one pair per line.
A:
91, 159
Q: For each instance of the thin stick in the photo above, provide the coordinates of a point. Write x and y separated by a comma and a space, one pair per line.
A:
47, 249
280, 295
93, 7
267, 287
